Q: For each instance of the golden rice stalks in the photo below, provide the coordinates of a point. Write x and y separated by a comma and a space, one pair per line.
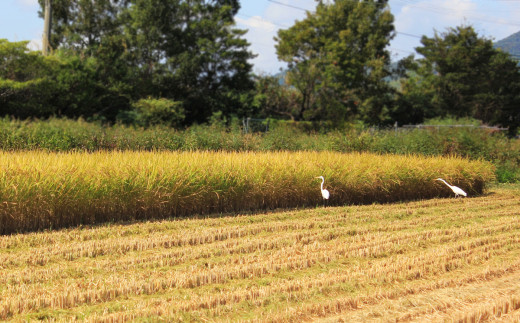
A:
40, 190
439, 259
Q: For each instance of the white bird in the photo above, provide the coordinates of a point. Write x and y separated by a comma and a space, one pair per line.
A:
457, 190
324, 193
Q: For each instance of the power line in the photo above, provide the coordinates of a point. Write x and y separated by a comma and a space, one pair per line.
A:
300, 8
413, 4
288, 5
447, 11
400, 50
262, 19
303, 9
409, 35
271, 45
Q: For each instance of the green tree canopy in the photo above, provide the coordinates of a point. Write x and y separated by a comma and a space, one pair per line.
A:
338, 61
462, 75
33, 85
273, 99
184, 50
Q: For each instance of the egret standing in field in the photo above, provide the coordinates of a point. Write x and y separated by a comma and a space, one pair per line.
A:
324, 193
457, 190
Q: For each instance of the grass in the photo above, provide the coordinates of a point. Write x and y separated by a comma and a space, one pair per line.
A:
62, 135
438, 259
41, 190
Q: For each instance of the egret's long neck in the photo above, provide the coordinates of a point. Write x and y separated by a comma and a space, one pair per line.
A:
446, 183
322, 181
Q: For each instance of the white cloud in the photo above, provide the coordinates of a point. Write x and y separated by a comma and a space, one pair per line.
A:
458, 10
491, 19
257, 23
262, 30
286, 12
35, 44
260, 34
28, 3
428, 15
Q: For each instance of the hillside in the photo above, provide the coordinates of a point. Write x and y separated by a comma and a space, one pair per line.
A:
510, 44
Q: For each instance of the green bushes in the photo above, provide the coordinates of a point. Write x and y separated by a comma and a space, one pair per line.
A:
153, 112
34, 86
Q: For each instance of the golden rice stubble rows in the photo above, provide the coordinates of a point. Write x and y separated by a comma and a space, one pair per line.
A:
350, 262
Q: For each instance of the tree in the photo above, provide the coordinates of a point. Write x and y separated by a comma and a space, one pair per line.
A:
207, 60
47, 28
337, 60
184, 50
93, 32
33, 85
23, 80
463, 75
81, 25
414, 90
273, 99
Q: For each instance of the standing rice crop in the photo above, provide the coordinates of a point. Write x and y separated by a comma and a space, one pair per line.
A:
41, 190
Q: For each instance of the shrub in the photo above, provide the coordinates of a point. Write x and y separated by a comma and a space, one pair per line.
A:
152, 112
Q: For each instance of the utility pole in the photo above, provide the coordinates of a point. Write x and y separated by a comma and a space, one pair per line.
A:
46, 41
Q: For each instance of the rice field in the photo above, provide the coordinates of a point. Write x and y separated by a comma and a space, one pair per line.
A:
441, 259
43, 190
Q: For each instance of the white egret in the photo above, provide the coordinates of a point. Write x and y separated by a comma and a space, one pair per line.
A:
324, 193
457, 190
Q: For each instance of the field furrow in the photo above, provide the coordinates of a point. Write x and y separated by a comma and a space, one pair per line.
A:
424, 260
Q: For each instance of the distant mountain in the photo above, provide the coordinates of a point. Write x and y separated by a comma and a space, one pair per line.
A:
511, 45
281, 76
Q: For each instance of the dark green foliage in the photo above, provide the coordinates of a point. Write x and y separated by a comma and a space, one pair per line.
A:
463, 75
152, 112
185, 51
111, 54
273, 99
338, 61
23, 81
81, 91
34, 86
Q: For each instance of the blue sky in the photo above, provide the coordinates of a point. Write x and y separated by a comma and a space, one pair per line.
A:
495, 19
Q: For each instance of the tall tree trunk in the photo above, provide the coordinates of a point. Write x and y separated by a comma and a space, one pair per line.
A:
47, 28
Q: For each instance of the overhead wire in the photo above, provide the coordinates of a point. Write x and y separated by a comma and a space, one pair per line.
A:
411, 3
448, 11
303, 9
288, 5
414, 4
262, 19
300, 8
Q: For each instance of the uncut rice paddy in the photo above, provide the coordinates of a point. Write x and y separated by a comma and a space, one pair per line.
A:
432, 260
41, 190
